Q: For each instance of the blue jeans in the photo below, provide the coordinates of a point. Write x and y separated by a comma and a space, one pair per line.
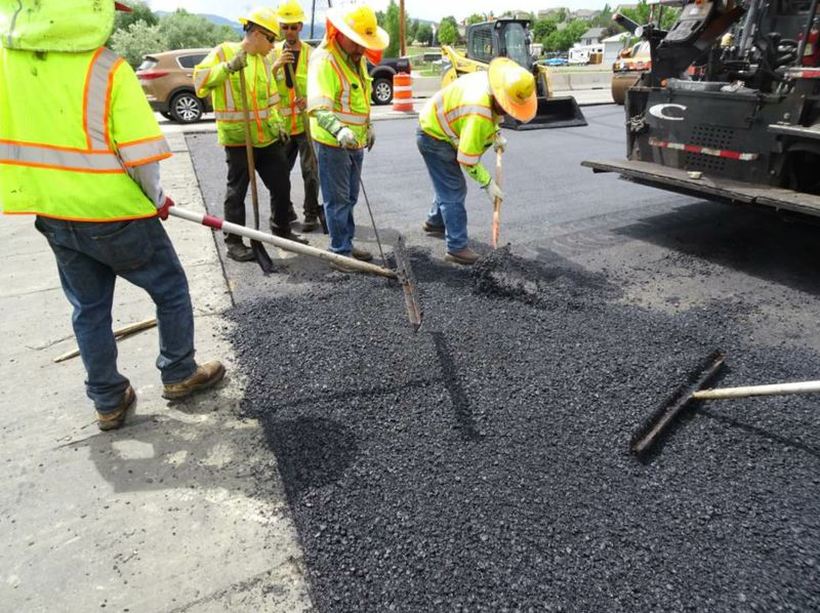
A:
450, 190
90, 257
339, 175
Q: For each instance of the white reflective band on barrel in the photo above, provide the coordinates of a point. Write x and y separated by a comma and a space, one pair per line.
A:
469, 109
96, 88
68, 159
130, 154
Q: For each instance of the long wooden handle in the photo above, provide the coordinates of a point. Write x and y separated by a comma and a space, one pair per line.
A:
776, 389
119, 333
497, 204
217, 223
243, 89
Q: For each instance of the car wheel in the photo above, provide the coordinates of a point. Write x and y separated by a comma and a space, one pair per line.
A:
382, 91
185, 108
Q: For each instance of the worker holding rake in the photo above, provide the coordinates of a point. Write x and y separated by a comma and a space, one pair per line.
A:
456, 127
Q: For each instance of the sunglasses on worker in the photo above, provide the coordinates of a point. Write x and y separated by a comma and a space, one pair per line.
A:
270, 36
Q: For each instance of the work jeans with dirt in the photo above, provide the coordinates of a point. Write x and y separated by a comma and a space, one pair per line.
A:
450, 189
90, 257
299, 145
272, 166
339, 176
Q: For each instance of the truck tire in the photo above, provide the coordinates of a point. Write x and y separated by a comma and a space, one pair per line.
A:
382, 91
185, 107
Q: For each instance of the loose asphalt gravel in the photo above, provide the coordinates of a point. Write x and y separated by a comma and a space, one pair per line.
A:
482, 464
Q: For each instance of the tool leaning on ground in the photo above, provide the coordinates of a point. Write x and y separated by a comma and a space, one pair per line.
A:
306, 123
660, 422
259, 252
496, 233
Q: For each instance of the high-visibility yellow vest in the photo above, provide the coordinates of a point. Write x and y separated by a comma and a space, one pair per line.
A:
212, 77
70, 126
287, 106
335, 84
462, 114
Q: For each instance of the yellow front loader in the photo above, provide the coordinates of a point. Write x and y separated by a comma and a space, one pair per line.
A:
510, 38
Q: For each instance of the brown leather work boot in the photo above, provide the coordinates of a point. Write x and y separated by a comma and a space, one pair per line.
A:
466, 256
206, 376
112, 420
361, 254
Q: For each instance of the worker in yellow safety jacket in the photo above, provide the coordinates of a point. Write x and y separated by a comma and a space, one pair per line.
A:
80, 149
293, 55
339, 89
218, 75
456, 127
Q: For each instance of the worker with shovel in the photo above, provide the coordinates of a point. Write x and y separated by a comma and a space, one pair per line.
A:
92, 180
292, 57
219, 76
456, 127
339, 89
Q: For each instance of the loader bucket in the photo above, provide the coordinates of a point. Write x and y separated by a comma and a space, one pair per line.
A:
555, 112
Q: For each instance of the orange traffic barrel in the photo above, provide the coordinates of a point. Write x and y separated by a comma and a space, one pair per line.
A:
402, 92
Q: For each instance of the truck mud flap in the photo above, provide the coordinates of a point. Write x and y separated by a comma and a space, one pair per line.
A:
556, 112
709, 187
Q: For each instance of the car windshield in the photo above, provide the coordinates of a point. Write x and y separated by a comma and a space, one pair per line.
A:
515, 41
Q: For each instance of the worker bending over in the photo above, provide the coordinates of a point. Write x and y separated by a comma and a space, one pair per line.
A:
218, 75
456, 127
339, 89
92, 180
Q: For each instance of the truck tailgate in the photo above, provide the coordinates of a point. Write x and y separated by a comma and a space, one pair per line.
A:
711, 188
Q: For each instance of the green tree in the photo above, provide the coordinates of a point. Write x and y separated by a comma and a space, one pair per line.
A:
563, 39
391, 24
475, 18
380, 17
140, 11
425, 34
642, 14
137, 40
448, 29
412, 30
542, 29
182, 30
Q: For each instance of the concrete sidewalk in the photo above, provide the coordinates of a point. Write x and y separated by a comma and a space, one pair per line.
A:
183, 509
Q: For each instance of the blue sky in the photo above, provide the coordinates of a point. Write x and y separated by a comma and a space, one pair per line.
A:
424, 9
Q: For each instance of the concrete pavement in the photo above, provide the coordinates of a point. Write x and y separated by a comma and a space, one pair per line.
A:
183, 509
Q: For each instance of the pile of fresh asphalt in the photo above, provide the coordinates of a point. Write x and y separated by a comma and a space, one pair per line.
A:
482, 464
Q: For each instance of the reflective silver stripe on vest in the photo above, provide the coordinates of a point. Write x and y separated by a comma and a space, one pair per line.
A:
286, 111
315, 102
226, 84
130, 154
37, 155
200, 78
351, 119
469, 109
240, 115
274, 100
438, 104
96, 88
468, 159
344, 96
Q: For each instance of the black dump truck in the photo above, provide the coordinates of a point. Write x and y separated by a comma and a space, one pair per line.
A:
730, 110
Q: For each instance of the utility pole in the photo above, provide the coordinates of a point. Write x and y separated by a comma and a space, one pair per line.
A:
402, 30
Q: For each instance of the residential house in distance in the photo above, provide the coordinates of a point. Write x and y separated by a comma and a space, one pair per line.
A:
592, 36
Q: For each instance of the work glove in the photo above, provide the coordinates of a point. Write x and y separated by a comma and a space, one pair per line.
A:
162, 212
499, 143
371, 137
237, 62
346, 138
493, 191
283, 136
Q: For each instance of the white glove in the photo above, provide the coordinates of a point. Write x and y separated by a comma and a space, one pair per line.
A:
282, 133
371, 137
346, 138
238, 62
499, 143
493, 191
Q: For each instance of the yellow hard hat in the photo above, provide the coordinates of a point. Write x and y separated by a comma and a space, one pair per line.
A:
263, 17
290, 11
513, 88
358, 23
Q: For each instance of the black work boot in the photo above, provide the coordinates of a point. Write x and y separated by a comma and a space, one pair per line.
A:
311, 222
239, 252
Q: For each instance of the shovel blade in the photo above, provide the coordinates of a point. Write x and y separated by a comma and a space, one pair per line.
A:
415, 314
262, 258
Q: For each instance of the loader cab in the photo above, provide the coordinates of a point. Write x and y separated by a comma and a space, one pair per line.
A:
500, 38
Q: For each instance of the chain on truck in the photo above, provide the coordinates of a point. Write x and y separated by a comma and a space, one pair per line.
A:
730, 110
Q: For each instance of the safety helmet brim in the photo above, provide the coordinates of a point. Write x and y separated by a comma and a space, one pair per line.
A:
517, 109
375, 41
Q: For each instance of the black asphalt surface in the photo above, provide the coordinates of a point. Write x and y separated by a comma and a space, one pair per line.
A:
482, 464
